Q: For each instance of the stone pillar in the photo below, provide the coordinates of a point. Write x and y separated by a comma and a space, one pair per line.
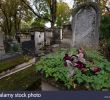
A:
36, 42
61, 33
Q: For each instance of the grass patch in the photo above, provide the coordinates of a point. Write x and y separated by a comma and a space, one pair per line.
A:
23, 80
8, 64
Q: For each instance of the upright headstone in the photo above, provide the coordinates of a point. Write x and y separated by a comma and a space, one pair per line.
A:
39, 40
36, 42
61, 34
85, 25
56, 36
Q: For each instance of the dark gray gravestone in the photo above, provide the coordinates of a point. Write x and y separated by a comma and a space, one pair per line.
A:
85, 25
56, 36
28, 47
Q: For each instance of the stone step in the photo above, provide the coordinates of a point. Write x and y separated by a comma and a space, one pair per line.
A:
47, 87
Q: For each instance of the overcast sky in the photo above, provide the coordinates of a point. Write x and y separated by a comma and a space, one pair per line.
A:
69, 2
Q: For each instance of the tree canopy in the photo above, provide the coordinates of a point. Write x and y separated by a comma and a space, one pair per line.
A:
43, 9
12, 12
63, 13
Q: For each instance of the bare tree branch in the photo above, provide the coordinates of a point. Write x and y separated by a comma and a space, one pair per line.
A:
39, 16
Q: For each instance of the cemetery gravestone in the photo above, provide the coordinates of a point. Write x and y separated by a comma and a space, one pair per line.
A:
85, 25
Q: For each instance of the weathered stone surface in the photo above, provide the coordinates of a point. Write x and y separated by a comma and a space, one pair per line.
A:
47, 87
85, 26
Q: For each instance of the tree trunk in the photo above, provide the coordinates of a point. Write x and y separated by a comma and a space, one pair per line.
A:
53, 18
52, 39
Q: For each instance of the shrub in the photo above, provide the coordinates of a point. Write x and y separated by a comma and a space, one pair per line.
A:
52, 66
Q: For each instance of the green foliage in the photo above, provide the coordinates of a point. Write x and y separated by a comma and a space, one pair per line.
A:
105, 27
12, 47
42, 7
97, 82
52, 66
44, 10
105, 35
63, 14
12, 13
16, 47
38, 23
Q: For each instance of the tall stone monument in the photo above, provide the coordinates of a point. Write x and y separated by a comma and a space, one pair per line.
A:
85, 25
